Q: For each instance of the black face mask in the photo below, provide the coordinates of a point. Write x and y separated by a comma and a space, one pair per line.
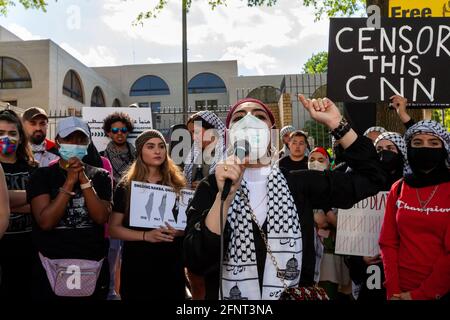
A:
423, 160
390, 161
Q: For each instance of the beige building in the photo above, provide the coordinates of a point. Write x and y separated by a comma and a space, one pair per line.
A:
40, 73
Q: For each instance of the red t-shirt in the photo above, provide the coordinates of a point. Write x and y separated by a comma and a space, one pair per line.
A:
415, 243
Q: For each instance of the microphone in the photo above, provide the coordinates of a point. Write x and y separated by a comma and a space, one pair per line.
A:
241, 150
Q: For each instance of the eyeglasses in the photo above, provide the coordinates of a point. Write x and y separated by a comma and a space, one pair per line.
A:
116, 130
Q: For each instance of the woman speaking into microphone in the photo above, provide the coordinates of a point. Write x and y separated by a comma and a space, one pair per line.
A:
268, 213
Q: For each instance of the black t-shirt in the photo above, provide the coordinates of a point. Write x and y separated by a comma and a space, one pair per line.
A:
290, 165
76, 236
17, 176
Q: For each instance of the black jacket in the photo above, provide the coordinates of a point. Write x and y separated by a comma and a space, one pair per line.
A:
310, 189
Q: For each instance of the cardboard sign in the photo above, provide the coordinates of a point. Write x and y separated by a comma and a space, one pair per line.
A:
358, 228
419, 8
153, 205
142, 118
408, 57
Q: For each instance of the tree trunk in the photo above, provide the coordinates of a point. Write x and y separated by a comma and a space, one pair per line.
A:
386, 117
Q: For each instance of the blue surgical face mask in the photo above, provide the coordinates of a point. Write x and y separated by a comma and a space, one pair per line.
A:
67, 151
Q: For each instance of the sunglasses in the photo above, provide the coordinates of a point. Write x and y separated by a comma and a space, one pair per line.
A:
116, 130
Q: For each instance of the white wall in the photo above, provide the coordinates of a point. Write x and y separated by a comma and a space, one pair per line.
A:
60, 63
34, 56
6, 35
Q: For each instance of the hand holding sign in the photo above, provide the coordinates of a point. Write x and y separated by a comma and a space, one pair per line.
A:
322, 110
399, 103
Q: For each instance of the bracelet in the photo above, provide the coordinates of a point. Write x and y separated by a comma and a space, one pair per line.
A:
69, 193
86, 185
143, 236
342, 129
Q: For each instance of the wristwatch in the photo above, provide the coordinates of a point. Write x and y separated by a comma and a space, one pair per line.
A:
86, 185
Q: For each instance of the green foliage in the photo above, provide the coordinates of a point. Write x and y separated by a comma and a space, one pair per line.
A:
437, 116
318, 63
322, 8
27, 4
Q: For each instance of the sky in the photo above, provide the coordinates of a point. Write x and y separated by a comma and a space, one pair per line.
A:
264, 40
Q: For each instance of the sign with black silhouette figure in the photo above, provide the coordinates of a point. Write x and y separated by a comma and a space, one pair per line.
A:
153, 205
407, 57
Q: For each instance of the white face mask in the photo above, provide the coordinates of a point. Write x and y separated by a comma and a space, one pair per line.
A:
316, 165
253, 130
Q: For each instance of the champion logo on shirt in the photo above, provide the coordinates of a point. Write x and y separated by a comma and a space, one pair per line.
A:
403, 205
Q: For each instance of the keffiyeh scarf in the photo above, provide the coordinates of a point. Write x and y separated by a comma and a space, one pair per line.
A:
433, 128
120, 159
375, 129
399, 142
195, 154
240, 270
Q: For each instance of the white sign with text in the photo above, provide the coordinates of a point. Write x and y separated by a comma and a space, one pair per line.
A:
142, 118
358, 228
153, 205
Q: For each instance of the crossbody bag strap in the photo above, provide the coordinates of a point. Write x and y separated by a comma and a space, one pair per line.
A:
264, 237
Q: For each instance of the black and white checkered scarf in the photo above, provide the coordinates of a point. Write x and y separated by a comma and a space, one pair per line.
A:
240, 270
195, 153
433, 128
399, 142
374, 129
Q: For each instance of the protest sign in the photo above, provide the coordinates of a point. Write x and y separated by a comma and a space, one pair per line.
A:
153, 205
142, 120
408, 57
358, 228
419, 8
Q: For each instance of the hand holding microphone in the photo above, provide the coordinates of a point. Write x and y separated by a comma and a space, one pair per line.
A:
229, 173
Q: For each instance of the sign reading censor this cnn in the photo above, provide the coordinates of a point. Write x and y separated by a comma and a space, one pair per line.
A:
407, 57
358, 228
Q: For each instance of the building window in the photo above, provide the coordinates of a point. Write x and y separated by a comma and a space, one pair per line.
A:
13, 74
149, 86
72, 86
116, 103
98, 98
156, 107
206, 105
206, 83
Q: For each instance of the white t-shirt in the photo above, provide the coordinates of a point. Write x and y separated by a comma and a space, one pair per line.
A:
256, 179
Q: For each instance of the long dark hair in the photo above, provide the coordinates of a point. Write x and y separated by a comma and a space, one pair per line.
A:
23, 152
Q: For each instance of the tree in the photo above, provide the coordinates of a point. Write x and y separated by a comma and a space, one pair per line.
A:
328, 8
318, 63
27, 4
437, 116
322, 8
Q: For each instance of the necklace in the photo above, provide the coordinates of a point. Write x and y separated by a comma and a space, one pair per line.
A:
423, 204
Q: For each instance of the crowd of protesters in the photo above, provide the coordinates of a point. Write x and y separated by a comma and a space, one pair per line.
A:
64, 203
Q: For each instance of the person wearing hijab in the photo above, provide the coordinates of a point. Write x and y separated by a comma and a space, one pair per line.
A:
415, 236
373, 132
208, 147
266, 204
285, 136
391, 149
